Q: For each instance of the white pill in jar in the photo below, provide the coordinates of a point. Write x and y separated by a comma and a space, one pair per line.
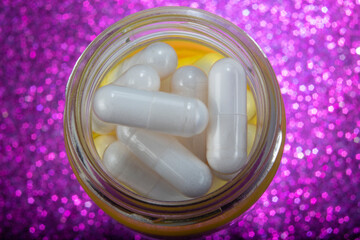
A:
129, 170
158, 111
138, 76
168, 158
190, 81
161, 56
226, 138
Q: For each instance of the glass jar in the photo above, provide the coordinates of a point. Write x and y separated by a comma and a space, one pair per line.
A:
190, 217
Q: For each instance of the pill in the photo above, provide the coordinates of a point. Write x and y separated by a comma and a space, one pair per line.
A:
166, 83
226, 138
190, 81
168, 158
140, 76
128, 170
158, 111
161, 56
251, 106
102, 142
251, 131
205, 63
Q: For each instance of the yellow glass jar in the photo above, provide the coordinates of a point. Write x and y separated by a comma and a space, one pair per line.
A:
190, 217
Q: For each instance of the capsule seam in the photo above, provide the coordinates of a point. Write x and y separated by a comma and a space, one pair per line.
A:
150, 110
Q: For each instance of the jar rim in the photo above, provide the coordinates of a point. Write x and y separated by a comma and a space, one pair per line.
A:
84, 170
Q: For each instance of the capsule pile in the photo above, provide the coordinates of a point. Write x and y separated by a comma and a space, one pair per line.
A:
172, 133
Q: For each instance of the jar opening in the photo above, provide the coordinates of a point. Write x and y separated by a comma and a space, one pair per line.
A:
130, 35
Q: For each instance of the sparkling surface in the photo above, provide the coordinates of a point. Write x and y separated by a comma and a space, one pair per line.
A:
314, 47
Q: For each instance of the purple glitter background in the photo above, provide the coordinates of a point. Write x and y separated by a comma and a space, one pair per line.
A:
314, 47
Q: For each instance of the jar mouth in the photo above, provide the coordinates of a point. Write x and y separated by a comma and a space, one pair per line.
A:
132, 33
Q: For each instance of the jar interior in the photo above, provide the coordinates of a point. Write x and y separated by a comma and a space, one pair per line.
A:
173, 37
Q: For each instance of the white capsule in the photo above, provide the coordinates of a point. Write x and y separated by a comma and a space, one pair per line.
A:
158, 111
161, 56
102, 142
190, 81
167, 157
140, 76
226, 139
126, 168
251, 132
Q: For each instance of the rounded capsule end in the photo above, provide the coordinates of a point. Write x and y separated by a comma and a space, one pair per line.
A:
102, 142
188, 78
202, 117
200, 182
226, 163
198, 118
115, 158
141, 76
102, 105
162, 57
228, 65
